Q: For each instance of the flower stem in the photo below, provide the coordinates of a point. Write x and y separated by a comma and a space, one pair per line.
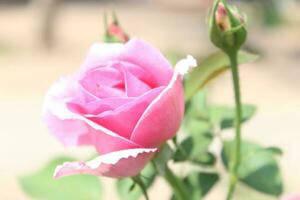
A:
179, 189
234, 166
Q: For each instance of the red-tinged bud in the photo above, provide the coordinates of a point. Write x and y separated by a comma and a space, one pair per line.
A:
114, 32
227, 27
222, 18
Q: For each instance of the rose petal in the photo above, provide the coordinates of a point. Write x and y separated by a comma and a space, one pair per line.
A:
104, 82
98, 106
136, 71
149, 58
74, 129
107, 76
118, 164
100, 53
105, 143
74, 132
135, 51
134, 86
155, 127
69, 132
123, 119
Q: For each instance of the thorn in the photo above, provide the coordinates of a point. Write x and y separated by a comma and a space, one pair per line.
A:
137, 179
132, 187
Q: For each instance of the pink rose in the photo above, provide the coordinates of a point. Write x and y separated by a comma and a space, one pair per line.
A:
126, 101
291, 197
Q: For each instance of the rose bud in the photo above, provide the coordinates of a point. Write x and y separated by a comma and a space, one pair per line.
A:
227, 27
222, 18
126, 102
114, 32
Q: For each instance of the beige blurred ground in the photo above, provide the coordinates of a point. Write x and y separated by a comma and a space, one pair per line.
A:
26, 71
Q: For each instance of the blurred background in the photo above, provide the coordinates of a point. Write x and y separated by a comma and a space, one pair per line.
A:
42, 39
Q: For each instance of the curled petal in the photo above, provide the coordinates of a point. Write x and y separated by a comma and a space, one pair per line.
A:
183, 66
117, 164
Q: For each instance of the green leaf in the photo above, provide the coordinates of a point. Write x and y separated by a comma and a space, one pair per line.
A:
225, 115
258, 168
197, 127
199, 184
42, 186
195, 147
195, 151
275, 150
210, 68
127, 189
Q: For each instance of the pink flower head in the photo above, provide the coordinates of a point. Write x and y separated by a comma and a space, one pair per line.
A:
126, 101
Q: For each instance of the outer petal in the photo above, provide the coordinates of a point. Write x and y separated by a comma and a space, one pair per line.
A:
100, 53
135, 51
149, 58
162, 118
69, 131
123, 163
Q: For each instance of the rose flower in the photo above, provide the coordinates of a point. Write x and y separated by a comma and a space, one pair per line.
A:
126, 101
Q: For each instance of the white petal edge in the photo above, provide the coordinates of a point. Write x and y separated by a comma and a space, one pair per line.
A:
109, 159
104, 51
185, 65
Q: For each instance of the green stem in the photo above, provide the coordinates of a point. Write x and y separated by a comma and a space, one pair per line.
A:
234, 166
179, 189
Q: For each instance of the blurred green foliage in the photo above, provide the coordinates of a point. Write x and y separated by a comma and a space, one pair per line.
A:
258, 169
129, 190
209, 68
